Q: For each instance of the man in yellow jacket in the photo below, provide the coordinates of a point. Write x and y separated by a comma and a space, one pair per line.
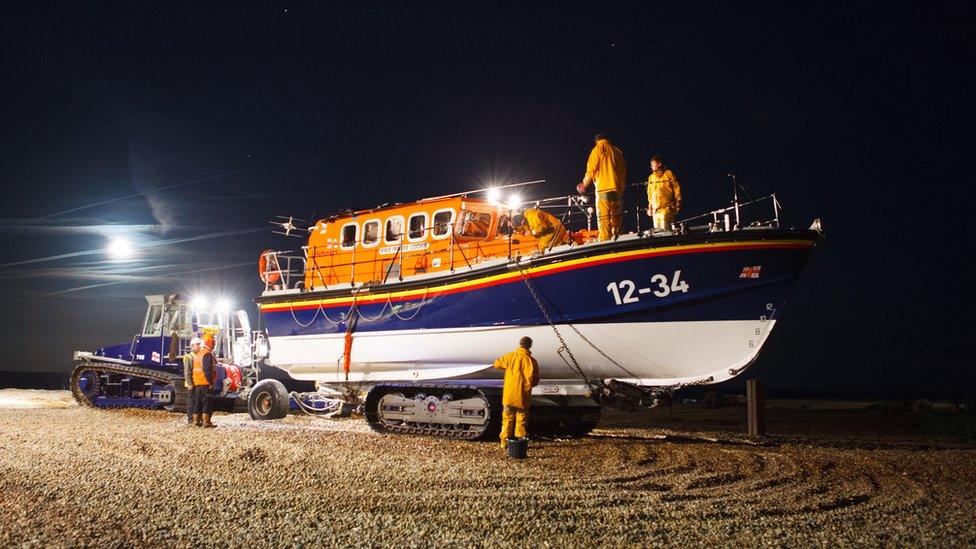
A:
521, 375
663, 195
606, 167
548, 231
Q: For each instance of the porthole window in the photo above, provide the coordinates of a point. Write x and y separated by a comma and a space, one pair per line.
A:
442, 223
394, 229
371, 233
417, 228
350, 234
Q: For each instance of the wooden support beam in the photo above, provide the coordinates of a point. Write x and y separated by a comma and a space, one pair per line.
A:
756, 402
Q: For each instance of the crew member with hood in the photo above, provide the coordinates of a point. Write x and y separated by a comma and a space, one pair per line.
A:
606, 167
547, 230
521, 375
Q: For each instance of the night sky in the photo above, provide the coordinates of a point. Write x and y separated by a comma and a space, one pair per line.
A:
238, 112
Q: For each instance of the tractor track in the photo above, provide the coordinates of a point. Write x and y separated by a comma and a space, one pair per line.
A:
179, 401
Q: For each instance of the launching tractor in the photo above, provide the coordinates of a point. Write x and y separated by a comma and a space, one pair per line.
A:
147, 371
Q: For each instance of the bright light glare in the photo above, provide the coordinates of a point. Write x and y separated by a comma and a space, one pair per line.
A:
120, 248
223, 306
514, 202
198, 303
494, 195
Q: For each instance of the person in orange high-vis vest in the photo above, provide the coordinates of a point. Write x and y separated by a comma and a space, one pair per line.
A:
605, 167
195, 345
204, 373
521, 375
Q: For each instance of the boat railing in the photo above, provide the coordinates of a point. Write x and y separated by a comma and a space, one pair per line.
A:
331, 266
283, 270
730, 218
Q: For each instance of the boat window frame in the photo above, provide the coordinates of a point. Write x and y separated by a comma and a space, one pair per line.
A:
449, 225
423, 228
403, 223
459, 225
342, 236
379, 227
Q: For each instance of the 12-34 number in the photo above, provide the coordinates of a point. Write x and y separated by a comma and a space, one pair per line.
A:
626, 291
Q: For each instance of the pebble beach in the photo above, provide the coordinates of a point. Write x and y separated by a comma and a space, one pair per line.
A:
75, 476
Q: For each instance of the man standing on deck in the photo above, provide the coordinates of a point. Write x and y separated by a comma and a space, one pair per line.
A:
204, 373
606, 167
663, 195
521, 375
188, 376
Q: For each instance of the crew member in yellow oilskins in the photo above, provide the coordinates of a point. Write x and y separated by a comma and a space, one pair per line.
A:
663, 195
606, 167
545, 227
521, 375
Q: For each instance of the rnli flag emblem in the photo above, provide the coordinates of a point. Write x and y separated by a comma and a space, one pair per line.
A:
156, 357
751, 272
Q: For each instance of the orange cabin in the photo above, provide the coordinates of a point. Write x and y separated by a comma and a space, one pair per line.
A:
430, 236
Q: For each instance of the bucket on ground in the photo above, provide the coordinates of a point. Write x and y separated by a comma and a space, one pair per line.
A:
518, 448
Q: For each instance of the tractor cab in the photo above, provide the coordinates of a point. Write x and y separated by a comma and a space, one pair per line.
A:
147, 371
170, 323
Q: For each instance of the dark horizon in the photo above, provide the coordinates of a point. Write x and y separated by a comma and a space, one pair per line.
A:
850, 114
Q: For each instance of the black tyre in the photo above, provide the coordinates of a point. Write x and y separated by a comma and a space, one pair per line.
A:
268, 400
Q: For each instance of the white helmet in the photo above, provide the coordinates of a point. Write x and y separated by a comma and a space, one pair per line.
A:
196, 341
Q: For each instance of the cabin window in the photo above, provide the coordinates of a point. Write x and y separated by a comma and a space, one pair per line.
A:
350, 234
473, 224
154, 321
417, 228
442, 223
394, 229
371, 233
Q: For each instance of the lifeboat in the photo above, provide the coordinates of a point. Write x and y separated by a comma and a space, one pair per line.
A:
432, 292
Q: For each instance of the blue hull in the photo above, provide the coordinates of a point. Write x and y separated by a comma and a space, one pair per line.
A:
716, 290
654, 311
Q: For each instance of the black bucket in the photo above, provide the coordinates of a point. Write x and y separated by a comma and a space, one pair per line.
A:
518, 448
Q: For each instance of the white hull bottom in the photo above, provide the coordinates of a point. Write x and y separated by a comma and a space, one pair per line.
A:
645, 353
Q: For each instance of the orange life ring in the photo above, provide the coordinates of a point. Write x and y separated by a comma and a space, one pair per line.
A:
268, 277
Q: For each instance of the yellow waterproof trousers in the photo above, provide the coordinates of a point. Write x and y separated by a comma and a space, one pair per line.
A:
663, 218
608, 215
513, 424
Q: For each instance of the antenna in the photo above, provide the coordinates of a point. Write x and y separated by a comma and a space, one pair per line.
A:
288, 226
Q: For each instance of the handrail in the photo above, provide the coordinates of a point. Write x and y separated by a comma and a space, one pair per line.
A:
735, 206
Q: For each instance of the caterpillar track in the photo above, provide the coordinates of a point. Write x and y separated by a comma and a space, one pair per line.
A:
468, 412
93, 384
449, 411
